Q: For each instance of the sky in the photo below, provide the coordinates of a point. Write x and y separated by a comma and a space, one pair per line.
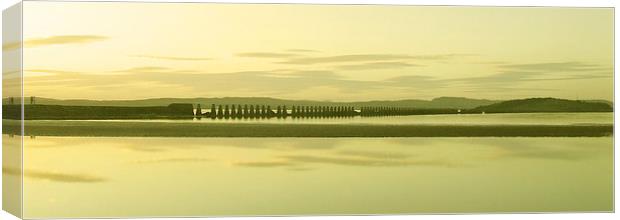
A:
315, 52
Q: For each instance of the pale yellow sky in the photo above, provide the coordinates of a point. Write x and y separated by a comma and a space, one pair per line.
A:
319, 52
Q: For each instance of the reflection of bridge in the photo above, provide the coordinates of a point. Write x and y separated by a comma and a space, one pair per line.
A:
281, 111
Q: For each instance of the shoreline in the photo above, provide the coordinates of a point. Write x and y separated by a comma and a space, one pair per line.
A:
172, 129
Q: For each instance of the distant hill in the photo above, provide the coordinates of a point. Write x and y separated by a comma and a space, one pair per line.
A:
545, 105
459, 102
600, 101
437, 103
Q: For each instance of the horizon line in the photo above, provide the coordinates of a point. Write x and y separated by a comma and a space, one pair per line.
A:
288, 99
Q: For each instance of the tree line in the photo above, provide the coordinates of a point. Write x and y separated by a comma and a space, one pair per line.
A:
282, 111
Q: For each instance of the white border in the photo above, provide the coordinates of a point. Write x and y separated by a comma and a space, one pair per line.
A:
565, 3
568, 3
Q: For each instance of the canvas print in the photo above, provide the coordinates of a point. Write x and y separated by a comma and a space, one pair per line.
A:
213, 109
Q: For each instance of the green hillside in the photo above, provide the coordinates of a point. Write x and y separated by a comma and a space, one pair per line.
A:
544, 105
52, 112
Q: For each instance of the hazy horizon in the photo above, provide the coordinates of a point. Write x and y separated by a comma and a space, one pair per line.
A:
316, 100
315, 52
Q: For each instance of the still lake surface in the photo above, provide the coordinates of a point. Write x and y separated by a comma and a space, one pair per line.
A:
138, 177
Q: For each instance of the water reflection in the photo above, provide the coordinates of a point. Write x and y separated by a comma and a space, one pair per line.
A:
266, 164
449, 119
292, 176
363, 162
376, 154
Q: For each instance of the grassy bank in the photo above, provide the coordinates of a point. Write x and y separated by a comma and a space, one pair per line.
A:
165, 129
61, 112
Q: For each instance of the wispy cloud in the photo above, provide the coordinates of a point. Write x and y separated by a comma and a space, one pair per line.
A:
130, 71
532, 72
376, 65
174, 160
369, 58
294, 83
346, 58
63, 39
144, 69
570, 66
264, 164
267, 55
257, 83
297, 50
49, 72
515, 77
52, 71
416, 81
54, 40
173, 58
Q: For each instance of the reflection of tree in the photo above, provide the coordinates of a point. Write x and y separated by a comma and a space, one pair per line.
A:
262, 111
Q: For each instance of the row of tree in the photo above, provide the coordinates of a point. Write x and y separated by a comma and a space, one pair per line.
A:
393, 111
320, 111
265, 111
281, 111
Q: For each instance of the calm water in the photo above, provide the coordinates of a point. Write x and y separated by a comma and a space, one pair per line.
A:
108, 177
468, 119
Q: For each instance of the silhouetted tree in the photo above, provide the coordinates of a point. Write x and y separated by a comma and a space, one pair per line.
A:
233, 110
198, 111
220, 111
212, 113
